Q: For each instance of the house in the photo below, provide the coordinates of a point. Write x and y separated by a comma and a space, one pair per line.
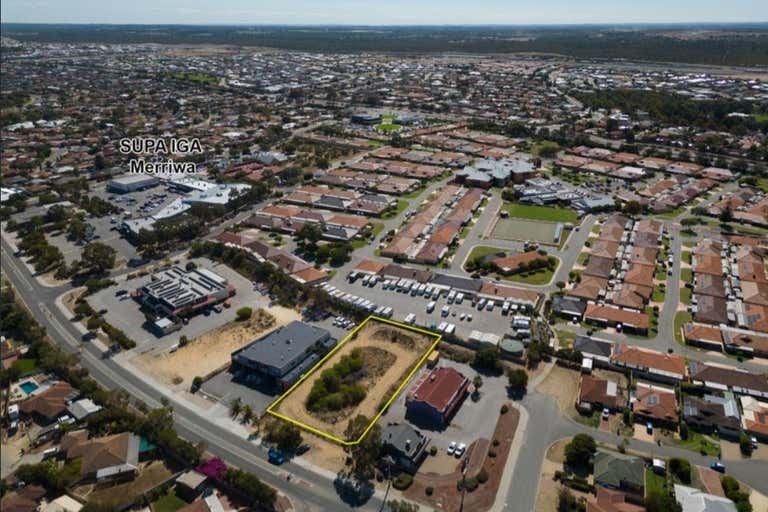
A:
437, 395
596, 394
653, 365
609, 500
705, 336
47, 405
620, 472
616, 317
754, 417
81, 409
23, 500
655, 404
190, 484
403, 446
711, 309
713, 413
569, 307
283, 355
594, 348
175, 290
725, 378
103, 458
694, 500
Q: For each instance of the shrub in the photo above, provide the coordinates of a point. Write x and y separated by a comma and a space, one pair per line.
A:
244, 313
681, 468
429, 490
402, 482
196, 383
482, 476
433, 450
504, 409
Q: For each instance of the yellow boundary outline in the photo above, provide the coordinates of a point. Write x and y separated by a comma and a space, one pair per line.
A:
312, 370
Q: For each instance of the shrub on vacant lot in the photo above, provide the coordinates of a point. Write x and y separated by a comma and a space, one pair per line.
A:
244, 313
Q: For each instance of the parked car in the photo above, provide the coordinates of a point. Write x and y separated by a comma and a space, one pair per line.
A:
460, 450
606, 413
717, 466
275, 457
451, 448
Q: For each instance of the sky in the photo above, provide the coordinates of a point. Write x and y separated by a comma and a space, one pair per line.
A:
382, 12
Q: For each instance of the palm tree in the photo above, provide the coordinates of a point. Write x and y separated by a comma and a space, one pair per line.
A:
235, 406
247, 413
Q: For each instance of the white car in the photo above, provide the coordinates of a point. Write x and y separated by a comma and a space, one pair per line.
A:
451, 448
460, 450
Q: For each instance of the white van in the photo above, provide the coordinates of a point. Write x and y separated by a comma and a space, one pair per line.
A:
459, 298
431, 306
445, 311
451, 296
410, 319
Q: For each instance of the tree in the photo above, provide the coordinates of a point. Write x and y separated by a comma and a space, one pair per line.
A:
401, 506
487, 359
727, 214
309, 234
285, 435
633, 208
365, 454
745, 444
580, 450
98, 257
518, 379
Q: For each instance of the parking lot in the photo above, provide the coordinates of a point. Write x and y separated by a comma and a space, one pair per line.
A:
464, 315
125, 314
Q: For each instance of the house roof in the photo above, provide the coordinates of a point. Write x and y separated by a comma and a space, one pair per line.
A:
639, 274
599, 267
51, 402
610, 500
439, 388
712, 310
612, 470
602, 391
593, 346
727, 376
617, 315
589, 287
694, 500
710, 284
642, 358
655, 402
102, 452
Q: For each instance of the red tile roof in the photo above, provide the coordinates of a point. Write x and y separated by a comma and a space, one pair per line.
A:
440, 388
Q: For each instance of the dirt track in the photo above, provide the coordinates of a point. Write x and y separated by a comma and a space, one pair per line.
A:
375, 335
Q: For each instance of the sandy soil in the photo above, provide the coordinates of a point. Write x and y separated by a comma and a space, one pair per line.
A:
374, 335
212, 350
563, 385
324, 453
758, 500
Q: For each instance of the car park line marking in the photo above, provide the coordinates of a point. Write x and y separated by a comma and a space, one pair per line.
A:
271, 409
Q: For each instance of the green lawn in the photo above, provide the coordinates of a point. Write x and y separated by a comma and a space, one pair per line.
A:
699, 443
686, 295
654, 484
544, 146
416, 193
402, 204
658, 293
482, 250
566, 338
376, 229
681, 317
671, 214
760, 118
540, 277
546, 213
583, 258
762, 184
168, 503
388, 127
25, 365
686, 255
686, 274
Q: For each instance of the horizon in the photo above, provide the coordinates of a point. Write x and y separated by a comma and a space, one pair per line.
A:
394, 13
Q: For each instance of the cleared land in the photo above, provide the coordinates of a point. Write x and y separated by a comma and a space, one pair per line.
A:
389, 353
212, 350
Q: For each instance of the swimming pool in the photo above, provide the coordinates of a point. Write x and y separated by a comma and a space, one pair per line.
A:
28, 387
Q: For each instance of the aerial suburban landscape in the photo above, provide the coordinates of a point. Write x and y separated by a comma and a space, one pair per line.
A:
383, 267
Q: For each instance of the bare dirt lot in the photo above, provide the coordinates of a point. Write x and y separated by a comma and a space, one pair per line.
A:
389, 355
212, 350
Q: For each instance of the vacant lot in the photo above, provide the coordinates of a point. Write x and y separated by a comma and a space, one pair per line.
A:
212, 350
389, 354
519, 229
